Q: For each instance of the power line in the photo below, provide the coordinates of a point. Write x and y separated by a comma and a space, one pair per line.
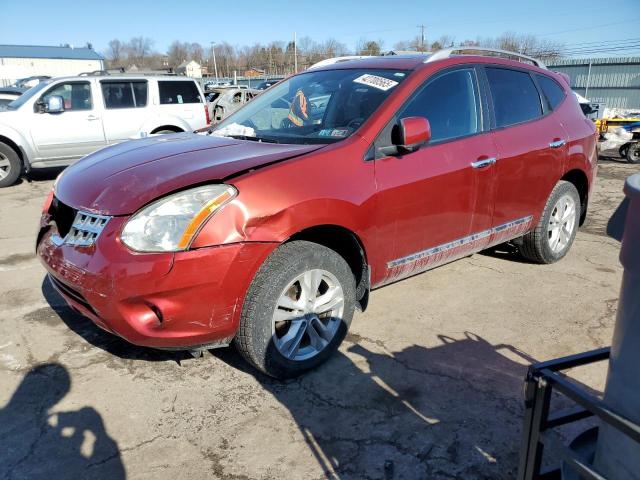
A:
591, 27
602, 48
598, 42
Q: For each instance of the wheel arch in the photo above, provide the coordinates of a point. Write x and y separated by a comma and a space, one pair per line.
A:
173, 128
579, 180
349, 246
16, 148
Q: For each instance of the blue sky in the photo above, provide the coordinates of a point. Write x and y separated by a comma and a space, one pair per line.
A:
76, 22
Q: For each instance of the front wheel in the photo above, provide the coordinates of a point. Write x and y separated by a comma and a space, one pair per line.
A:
557, 228
297, 310
10, 166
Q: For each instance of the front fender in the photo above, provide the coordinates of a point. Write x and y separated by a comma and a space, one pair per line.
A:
19, 139
238, 222
279, 200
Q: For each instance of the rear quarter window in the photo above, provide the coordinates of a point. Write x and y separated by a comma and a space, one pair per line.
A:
552, 92
175, 92
515, 96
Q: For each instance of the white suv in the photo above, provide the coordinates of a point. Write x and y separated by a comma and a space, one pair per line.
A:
60, 120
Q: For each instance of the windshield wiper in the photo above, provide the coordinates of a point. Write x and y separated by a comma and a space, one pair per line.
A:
253, 139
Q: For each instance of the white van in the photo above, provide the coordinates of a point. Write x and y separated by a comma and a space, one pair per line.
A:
60, 120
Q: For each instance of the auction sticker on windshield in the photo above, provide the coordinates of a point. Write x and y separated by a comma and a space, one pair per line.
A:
376, 81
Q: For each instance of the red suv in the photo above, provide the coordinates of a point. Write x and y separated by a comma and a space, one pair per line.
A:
270, 229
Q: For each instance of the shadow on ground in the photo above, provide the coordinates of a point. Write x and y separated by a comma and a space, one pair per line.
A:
39, 442
43, 174
451, 411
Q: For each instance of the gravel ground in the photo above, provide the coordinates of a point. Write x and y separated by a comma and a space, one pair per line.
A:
428, 383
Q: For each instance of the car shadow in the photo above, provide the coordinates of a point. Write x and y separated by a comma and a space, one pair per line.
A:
39, 441
97, 337
453, 410
505, 251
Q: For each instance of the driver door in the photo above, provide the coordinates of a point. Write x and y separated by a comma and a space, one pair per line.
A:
436, 204
73, 133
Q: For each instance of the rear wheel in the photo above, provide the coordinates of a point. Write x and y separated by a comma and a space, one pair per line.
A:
633, 153
297, 310
10, 165
557, 228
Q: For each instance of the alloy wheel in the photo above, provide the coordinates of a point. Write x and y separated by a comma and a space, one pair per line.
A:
561, 223
5, 166
308, 314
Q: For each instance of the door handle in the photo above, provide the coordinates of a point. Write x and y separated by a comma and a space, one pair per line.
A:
91, 118
557, 143
485, 162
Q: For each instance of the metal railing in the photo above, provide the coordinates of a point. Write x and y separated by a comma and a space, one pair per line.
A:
539, 422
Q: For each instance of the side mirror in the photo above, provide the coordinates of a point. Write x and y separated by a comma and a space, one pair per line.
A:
411, 133
55, 104
407, 136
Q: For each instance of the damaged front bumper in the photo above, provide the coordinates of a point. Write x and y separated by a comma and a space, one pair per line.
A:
163, 300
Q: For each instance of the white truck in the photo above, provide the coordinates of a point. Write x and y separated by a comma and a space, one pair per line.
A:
60, 120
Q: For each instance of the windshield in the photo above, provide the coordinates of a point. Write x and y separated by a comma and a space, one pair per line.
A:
314, 107
33, 91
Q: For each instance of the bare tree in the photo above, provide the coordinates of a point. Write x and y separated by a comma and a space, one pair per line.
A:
115, 51
196, 52
525, 44
139, 49
333, 48
178, 52
368, 47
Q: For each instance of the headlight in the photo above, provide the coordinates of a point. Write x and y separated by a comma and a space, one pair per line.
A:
171, 223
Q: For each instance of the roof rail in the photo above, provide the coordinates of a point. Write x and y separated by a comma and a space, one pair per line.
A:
448, 52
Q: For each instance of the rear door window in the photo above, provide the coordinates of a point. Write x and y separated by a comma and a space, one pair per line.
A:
124, 94
553, 93
450, 103
515, 96
175, 92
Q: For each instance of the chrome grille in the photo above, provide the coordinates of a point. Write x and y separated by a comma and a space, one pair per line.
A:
85, 229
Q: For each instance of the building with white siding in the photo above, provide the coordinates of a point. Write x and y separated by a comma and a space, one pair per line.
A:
190, 69
20, 61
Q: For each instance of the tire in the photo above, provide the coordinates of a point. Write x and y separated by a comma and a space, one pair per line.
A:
633, 153
304, 337
553, 236
10, 166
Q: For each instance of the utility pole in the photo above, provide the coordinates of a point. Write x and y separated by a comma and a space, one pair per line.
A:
586, 90
295, 53
213, 54
422, 27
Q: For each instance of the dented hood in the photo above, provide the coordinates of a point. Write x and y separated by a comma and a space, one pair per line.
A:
120, 179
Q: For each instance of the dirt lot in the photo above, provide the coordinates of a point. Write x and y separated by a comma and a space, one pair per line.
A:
428, 382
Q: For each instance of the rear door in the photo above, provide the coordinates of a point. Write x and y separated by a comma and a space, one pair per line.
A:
435, 204
73, 133
125, 108
182, 98
531, 151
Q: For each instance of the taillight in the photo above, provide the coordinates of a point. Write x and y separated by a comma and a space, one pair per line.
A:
47, 203
206, 113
